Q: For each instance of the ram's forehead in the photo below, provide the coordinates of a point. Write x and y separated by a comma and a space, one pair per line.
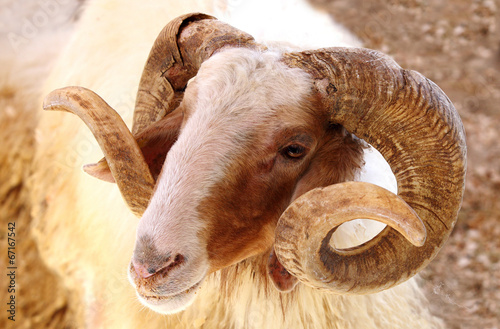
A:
241, 82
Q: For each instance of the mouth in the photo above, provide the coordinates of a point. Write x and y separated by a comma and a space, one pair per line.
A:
172, 303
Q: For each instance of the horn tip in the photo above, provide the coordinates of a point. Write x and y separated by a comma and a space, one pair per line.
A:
57, 100
52, 101
418, 237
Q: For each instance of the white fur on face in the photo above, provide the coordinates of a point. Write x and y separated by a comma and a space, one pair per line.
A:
234, 93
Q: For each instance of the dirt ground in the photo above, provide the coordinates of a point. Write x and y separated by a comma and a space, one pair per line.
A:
454, 43
457, 45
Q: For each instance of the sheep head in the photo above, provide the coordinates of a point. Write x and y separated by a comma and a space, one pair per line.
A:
244, 158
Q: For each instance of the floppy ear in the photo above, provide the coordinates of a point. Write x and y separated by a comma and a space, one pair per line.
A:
280, 277
155, 141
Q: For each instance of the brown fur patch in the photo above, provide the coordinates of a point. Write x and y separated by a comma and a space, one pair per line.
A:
242, 209
337, 161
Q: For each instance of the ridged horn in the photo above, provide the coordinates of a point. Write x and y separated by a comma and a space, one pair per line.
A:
415, 127
177, 54
124, 156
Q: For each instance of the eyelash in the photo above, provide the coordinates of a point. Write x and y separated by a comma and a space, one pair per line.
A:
294, 151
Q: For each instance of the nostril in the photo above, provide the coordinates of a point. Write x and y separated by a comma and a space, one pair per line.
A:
145, 270
178, 259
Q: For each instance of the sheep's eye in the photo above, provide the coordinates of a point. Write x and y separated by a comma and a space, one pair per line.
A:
295, 151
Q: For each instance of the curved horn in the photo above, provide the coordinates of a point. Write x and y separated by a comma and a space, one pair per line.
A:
124, 156
418, 131
177, 54
175, 57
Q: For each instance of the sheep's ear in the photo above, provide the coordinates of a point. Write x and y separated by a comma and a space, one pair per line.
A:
281, 278
155, 141
100, 170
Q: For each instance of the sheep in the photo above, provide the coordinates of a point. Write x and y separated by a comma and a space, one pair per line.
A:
253, 135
